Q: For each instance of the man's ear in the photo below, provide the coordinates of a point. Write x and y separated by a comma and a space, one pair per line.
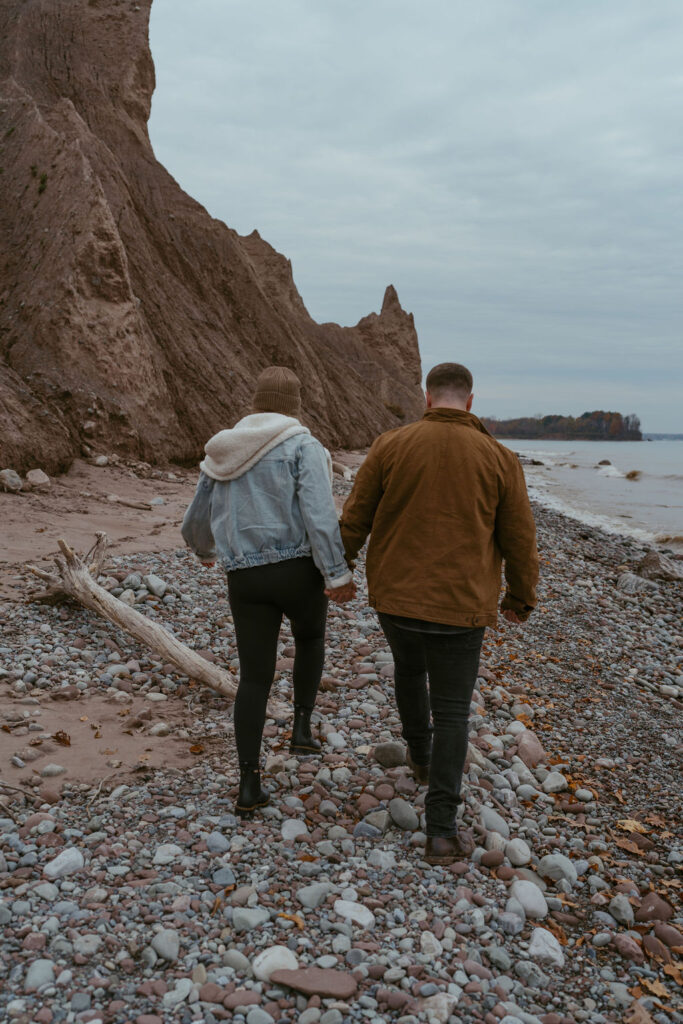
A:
428, 399
469, 402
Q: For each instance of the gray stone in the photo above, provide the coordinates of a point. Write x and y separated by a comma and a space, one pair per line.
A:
246, 918
554, 782
41, 972
51, 771
311, 896
556, 866
166, 944
292, 828
87, 945
621, 910
155, 585
10, 481
259, 1016
545, 947
238, 962
531, 898
223, 876
80, 1001
403, 814
378, 819
383, 860
390, 755
498, 957
493, 822
217, 843
167, 853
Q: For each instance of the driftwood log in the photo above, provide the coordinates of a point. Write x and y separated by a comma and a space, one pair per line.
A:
76, 578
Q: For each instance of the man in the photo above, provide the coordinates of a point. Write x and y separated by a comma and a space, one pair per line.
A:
444, 503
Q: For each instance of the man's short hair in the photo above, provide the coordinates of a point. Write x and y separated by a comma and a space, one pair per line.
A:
450, 377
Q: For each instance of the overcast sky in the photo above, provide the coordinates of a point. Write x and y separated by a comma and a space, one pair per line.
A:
515, 169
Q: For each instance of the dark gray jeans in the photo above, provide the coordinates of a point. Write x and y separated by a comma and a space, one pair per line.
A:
435, 673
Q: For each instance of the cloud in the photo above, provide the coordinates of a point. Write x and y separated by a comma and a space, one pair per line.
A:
513, 169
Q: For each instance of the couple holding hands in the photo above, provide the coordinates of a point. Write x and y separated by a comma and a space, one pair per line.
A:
444, 504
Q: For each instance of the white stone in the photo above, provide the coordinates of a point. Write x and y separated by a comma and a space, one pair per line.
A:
46, 891
336, 740
160, 729
554, 782
179, 994
545, 947
530, 897
38, 479
292, 828
439, 1008
355, 912
41, 972
167, 853
246, 918
277, 958
51, 771
384, 860
67, 862
621, 910
430, 945
518, 852
154, 695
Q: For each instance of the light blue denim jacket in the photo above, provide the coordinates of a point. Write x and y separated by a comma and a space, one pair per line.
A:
281, 507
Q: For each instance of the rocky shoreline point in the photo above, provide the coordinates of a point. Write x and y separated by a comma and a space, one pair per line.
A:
134, 894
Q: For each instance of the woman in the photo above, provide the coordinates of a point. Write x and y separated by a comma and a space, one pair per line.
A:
264, 505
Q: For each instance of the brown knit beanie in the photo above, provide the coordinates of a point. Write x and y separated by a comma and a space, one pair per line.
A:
278, 390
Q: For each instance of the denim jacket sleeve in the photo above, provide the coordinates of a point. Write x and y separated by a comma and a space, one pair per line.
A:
196, 528
319, 514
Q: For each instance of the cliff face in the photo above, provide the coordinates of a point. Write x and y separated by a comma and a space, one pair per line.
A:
130, 319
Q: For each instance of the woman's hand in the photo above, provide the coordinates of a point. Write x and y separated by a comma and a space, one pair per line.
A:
342, 594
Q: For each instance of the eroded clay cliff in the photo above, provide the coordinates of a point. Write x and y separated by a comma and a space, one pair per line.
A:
130, 319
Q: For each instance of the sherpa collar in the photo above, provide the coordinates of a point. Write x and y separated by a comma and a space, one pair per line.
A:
230, 453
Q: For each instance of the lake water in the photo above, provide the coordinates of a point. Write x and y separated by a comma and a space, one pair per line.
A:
570, 479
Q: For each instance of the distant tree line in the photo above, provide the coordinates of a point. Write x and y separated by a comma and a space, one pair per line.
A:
591, 426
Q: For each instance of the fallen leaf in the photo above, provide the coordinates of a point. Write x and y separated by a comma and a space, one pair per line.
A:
143, 757
217, 904
674, 971
655, 987
196, 748
630, 825
63, 739
6, 728
637, 1014
628, 844
83, 718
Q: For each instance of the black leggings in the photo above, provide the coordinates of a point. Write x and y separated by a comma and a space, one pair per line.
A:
259, 597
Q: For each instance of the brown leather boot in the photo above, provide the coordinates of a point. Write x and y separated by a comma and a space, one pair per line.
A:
420, 771
448, 849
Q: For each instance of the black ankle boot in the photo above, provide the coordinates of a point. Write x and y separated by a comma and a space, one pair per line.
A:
251, 795
302, 741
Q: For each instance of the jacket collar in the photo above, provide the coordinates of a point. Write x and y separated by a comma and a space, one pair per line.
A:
466, 419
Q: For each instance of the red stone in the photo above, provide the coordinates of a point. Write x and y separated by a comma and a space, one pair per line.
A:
148, 1018
654, 908
530, 749
325, 982
492, 858
628, 948
212, 993
241, 997
44, 1015
34, 941
657, 948
669, 935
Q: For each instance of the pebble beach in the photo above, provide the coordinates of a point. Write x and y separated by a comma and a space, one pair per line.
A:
129, 891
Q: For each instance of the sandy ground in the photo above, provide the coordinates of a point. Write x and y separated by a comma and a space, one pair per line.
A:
82, 502
105, 736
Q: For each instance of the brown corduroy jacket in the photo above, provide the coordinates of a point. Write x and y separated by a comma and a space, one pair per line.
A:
444, 503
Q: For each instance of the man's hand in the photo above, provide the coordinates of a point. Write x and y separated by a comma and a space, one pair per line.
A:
342, 594
512, 616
